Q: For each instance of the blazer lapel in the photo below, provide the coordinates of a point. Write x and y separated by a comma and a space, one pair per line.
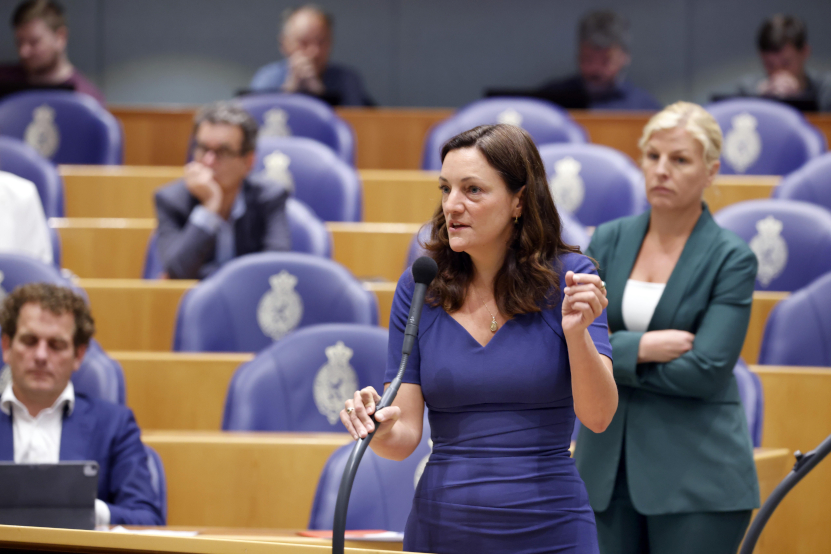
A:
76, 431
694, 254
619, 269
6, 438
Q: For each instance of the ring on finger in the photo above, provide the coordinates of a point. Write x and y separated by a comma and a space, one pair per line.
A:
349, 411
603, 286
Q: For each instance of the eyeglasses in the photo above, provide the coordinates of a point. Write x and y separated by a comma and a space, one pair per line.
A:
222, 153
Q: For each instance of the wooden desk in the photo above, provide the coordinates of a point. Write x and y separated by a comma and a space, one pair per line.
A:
35, 539
763, 303
106, 248
798, 417
178, 390
387, 138
262, 480
140, 315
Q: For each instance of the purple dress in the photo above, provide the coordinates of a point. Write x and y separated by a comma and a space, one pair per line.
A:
499, 478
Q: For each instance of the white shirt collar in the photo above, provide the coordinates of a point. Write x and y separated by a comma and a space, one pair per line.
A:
67, 397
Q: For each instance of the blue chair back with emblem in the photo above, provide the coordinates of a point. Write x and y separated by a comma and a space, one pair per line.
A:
753, 400
256, 299
64, 127
300, 383
593, 183
545, 122
19, 158
308, 235
798, 329
382, 493
299, 115
789, 238
764, 137
810, 183
330, 187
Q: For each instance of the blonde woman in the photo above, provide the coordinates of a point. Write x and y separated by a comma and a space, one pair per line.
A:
674, 471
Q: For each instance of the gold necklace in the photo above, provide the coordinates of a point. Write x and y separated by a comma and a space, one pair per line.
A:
494, 325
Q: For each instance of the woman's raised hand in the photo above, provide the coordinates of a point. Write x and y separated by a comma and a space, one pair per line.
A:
584, 299
357, 411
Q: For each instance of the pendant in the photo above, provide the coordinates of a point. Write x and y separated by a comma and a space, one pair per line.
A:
494, 326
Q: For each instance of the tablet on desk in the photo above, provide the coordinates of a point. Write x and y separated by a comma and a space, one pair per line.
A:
49, 495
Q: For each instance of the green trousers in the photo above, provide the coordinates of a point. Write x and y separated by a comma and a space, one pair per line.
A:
622, 530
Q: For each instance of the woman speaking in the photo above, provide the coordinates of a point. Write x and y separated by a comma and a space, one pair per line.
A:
674, 471
512, 342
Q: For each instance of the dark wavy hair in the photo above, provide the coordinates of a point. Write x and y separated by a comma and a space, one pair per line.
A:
528, 280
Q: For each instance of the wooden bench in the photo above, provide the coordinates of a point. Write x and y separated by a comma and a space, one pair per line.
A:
396, 196
115, 248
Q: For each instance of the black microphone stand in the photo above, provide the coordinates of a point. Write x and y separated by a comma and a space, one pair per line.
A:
804, 464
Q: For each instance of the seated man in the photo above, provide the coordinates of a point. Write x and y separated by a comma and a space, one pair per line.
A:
783, 49
41, 35
218, 212
23, 228
603, 57
45, 333
305, 41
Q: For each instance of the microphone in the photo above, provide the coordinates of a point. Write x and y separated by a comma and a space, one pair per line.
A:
424, 271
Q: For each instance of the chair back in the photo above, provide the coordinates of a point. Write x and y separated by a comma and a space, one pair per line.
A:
256, 299
100, 376
22, 160
798, 329
330, 187
810, 183
545, 122
593, 183
299, 115
308, 235
300, 383
753, 400
62, 126
382, 493
791, 239
764, 137
157, 480
18, 269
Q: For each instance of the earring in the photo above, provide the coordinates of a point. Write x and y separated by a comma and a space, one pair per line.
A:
516, 220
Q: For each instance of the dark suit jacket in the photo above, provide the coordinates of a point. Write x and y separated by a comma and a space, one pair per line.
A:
687, 446
187, 251
107, 433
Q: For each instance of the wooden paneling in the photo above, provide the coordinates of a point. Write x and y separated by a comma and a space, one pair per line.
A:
139, 315
155, 136
763, 303
115, 248
798, 417
730, 189
262, 480
178, 390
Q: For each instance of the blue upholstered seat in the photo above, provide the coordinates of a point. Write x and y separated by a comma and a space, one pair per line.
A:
19, 158
256, 299
545, 122
300, 115
301, 382
64, 127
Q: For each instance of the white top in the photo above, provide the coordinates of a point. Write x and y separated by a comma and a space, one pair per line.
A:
23, 228
639, 302
37, 440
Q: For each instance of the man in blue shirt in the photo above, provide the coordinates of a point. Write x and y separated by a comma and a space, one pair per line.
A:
306, 42
603, 57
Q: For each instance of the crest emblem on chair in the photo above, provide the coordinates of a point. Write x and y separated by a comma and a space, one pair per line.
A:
510, 117
336, 380
742, 146
770, 248
566, 185
277, 169
275, 124
42, 134
422, 464
280, 309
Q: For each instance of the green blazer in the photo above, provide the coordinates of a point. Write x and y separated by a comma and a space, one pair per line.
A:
687, 446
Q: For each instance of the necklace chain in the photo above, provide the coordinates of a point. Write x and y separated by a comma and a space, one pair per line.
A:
494, 324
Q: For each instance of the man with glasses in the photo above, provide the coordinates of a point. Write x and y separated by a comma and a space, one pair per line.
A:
218, 211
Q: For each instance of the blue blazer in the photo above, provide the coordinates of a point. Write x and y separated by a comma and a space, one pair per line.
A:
107, 433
